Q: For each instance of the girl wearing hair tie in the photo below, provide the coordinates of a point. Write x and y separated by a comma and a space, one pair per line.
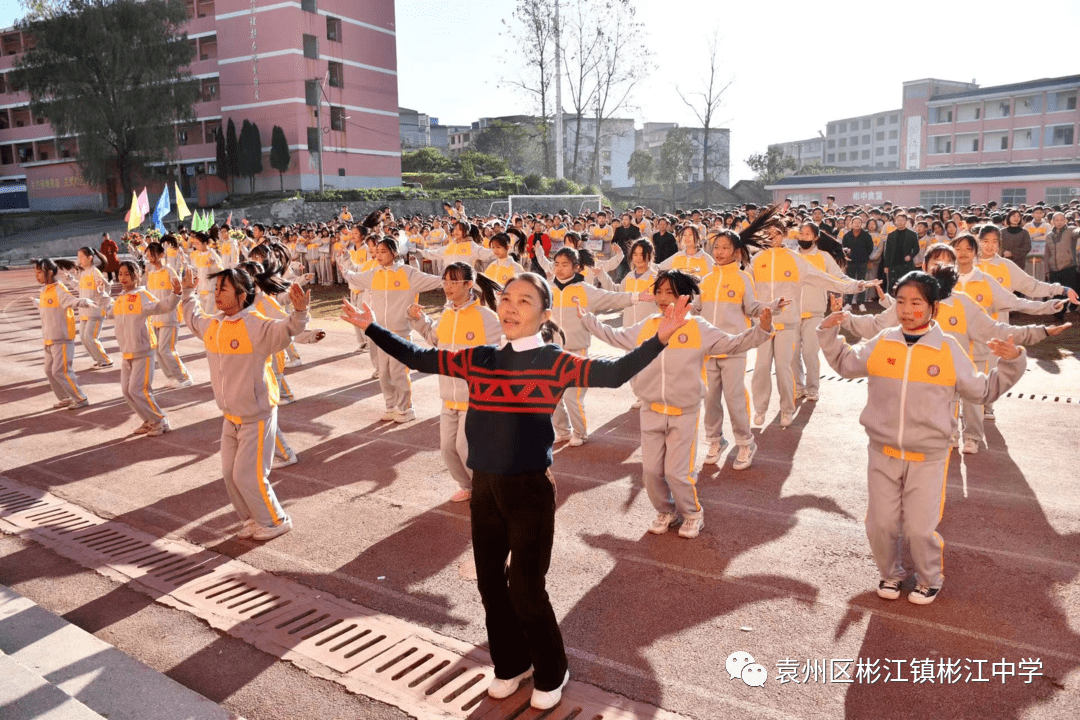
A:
93, 287
159, 283
510, 437
56, 306
915, 371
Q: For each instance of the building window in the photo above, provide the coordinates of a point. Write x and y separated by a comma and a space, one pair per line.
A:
313, 139
209, 89
892, 148
881, 120
333, 28
606, 170
894, 134
1004, 142
832, 144
879, 151
311, 92
941, 115
853, 125
804, 198
337, 118
879, 164
865, 154
1014, 196
892, 163
1030, 105
880, 135
1059, 135
309, 6
311, 47
1062, 101
1025, 139
337, 74
952, 198
843, 142
830, 158
843, 157
893, 119
865, 139
832, 128
854, 140
866, 124
940, 145
1060, 195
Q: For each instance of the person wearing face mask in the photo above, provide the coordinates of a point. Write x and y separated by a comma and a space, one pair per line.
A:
914, 373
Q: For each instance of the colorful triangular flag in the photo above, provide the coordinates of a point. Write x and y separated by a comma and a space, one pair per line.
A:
134, 216
181, 206
164, 207
144, 203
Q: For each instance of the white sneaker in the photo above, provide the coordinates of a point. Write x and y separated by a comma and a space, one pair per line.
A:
923, 595
562, 438
786, 418
759, 418
297, 362
888, 589
282, 401
988, 413
547, 699
76, 405
636, 405
404, 416
577, 440
247, 529
159, 428
745, 456
954, 440
269, 533
501, 689
143, 429
862, 307
171, 383
388, 416
663, 522
280, 462
361, 349
715, 448
971, 447
185, 383
691, 527
62, 404
811, 396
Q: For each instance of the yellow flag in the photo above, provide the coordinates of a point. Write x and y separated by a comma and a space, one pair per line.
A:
181, 206
135, 216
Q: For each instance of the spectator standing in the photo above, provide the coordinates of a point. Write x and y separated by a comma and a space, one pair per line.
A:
109, 249
664, 243
901, 247
858, 245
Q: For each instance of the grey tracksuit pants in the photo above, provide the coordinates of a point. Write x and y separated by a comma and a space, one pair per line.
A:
668, 461
906, 496
247, 454
136, 375
167, 357
454, 446
778, 351
569, 414
807, 362
727, 383
88, 333
394, 380
974, 423
58, 370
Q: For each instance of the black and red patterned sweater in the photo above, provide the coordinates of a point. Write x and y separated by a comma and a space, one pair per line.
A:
512, 394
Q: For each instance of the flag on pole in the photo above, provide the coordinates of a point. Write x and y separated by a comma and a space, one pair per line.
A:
229, 220
211, 220
181, 206
144, 203
134, 216
197, 222
164, 207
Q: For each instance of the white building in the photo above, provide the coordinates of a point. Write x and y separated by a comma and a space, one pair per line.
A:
654, 134
616, 147
803, 152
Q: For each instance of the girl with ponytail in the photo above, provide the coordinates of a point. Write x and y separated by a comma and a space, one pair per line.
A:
159, 283
915, 371
93, 286
509, 435
57, 308
503, 267
467, 320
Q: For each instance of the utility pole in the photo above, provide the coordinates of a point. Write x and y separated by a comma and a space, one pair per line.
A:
318, 126
558, 96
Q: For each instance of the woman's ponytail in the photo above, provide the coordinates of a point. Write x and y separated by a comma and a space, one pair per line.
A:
550, 332
488, 290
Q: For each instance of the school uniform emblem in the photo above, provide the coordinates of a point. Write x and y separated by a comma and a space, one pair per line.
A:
787, 273
891, 361
979, 297
470, 335
683, 337
131, 307
953, 321
1001, 279
234, 343
933, 371
397, 283
731, 293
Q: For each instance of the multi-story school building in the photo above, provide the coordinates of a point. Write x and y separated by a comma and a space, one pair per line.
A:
960, 144
257, 60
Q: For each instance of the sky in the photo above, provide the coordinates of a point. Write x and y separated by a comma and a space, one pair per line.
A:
793, 65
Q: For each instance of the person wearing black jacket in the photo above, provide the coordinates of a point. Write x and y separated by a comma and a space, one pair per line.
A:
901, 247
858, 245
664, 243
624, 237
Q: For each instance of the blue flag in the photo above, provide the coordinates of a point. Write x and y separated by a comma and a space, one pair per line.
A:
164, 206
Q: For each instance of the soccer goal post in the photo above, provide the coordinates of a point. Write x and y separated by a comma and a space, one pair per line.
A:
575, 204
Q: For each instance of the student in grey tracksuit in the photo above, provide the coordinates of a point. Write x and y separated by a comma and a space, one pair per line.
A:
159, 283
779, 272
239, 343
671, 390
131, 311
57, 308
93, 287
914, 370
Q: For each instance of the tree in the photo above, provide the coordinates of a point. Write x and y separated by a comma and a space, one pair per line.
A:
255, 161
641, 167
582, 38
280, 157
706, 102
425, 160
232, 150
531, 30
222, 158
771, 165
676, 158
508, 141
114, 76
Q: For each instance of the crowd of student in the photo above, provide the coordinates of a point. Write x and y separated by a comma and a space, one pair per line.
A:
523, 300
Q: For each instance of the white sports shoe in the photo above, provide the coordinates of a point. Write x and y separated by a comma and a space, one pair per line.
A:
759, 418
500, 689
405, 416
280, 462
636, 405
862, 307
786, 418
185, 383
562, 438
388, 416
745, 456
970, 447
799, 393
691, 527
663, 522
577, 440
248, 529
547, 699
171, 383
295, 362
159, 428
269, 533
715, 448
811, 396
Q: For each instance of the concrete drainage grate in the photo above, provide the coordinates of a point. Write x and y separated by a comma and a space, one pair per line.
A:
419, 671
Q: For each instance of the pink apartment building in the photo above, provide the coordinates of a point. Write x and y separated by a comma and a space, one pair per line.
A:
257, 60
961, 145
